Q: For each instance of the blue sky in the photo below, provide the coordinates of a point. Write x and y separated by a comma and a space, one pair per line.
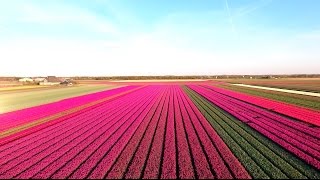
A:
168, 37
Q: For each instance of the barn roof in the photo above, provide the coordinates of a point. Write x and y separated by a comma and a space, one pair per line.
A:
53, 79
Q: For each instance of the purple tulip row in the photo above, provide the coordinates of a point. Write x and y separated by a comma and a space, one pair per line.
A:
295, 136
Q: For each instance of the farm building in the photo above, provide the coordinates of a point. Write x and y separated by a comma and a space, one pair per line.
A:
25, 80
39, 79
50, 80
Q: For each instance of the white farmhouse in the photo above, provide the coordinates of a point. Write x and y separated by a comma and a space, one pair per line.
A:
25, 80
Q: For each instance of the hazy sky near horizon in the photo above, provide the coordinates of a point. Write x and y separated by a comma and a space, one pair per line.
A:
167, 37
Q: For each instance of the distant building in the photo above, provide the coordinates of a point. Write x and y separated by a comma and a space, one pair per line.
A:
50, 80
25, 80
38, 80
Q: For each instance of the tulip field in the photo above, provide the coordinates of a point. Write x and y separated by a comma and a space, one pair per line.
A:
157, 130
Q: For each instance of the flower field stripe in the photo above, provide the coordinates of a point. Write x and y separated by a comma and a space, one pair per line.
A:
23, 116
35, 137
217, 118
201, 164
110, 158
51, 130
301, 150
308, 132
295, 162
169, 163
233, 111
70, 125
300, 100
265, 119
295, 133
303, 114
129, 155
38, 136
41, 165
172, 131
153, 164
300, 145
185, 162
137, 164
125, 131
43, 153
79, 158
232, 163
72, 153
60, 114
217, 165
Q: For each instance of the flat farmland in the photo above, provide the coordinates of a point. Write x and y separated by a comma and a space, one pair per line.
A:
15, 98
302, 84
167, 130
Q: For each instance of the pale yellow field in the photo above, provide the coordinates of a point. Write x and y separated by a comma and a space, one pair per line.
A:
20, 87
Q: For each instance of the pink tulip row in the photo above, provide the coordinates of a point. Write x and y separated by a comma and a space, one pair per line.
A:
202, 125
293, 126
300, 142
40, 153
119, 167
66, 123
290, 125
154, 132
300, 113
177, 138
15, 118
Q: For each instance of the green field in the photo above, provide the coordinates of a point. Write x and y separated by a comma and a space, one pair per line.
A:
19, 100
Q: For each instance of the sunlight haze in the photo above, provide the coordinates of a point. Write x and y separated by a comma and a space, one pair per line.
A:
124, 37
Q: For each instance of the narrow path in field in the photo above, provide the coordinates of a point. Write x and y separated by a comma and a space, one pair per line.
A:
281, 90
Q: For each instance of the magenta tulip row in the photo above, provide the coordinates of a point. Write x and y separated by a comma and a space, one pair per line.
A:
15, 118
300, 113
154, 132
294, 136
90, 131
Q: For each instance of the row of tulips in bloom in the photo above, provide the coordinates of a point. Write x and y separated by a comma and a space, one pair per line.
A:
153, 132
300, 113
297, 137
23, 116
262, 157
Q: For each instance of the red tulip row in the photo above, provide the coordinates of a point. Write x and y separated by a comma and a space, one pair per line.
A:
297, 137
